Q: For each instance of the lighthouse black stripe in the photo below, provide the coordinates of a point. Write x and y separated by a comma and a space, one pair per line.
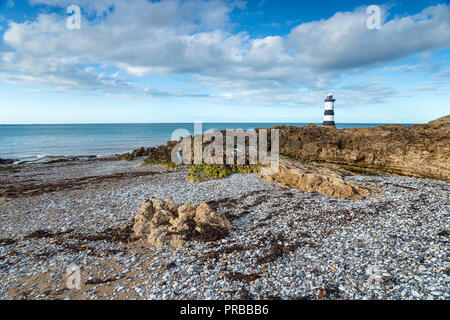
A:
329, 112
328, 123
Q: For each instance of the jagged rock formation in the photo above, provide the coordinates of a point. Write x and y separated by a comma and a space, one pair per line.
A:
157, 155
167, 225
313, 177
418, 150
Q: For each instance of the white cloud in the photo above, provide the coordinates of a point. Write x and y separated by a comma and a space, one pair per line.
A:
195, 37
403, 67
423, 88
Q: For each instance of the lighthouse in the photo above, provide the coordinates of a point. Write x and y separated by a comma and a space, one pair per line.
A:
328, 118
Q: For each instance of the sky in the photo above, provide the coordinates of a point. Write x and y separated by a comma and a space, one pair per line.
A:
223, 61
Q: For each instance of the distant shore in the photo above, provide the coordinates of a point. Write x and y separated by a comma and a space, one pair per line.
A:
40, 143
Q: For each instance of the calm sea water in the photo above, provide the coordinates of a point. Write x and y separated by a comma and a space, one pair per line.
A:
30, 142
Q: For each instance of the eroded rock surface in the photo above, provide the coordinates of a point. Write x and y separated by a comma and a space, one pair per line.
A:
167, 225
313, 177
421, 150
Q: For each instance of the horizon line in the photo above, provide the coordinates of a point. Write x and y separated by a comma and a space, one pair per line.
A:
192, 122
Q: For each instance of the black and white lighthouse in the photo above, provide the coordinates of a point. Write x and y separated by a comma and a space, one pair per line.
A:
328, 118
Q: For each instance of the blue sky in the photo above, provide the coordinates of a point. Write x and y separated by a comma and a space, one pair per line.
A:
223, 61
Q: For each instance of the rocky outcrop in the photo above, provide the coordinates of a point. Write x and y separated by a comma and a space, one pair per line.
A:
418, 150
6, 161
167, 226
313, 177
440, 122
156, 155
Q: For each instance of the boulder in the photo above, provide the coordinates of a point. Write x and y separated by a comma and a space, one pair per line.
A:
159, 237
142, 219
169, 226
314, 177
153, 213
205, 216
170, 206
186, 211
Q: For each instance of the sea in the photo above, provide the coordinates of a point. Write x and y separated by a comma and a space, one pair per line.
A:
40, 142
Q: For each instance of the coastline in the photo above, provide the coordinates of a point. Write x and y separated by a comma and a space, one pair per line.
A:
57, 214
41, 143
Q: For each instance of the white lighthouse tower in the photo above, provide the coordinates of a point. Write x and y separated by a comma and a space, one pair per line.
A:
328, 118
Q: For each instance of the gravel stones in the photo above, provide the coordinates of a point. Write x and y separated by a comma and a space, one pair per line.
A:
284, 243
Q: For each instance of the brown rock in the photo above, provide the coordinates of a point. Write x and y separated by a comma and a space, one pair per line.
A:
6, 161
186, 211
209, 232
179, 225
142, 219
177, 241
440, 122
159, 237
169, 226
160, 217
152, 214
418, 150
316, 178
205, 216
202, 210
171, 206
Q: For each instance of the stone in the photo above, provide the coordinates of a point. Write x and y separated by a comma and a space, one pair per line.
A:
202, 210
440, 122
177, 242
160, 217
159, 237
420, 150
205, 216
6, 161
415, 294
143, 217
179, 224
170, 206
186, 211
314, 177
170, 227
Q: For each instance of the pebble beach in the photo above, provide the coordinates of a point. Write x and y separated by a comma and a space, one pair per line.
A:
285, 243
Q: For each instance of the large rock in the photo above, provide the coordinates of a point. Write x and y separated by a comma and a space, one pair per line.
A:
418, 150
6, 161
315, 177
156, 155
153, 213
440, 122
167, 225
142, 219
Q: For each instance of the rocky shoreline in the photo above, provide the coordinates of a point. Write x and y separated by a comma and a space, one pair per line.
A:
284, 243
313, 230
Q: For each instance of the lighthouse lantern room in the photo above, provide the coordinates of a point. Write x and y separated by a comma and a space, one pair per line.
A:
328, 118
